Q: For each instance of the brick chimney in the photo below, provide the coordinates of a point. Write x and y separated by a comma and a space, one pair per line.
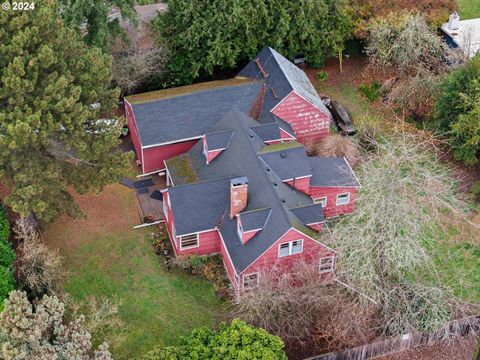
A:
238, 195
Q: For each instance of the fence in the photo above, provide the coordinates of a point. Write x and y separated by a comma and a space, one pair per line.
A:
404, 342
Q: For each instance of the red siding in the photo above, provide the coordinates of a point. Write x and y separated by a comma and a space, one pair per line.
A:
312, 252
213, 154
317, 227
209, 241
285, 136
331, 193
302, 184
153, 157
247, 235
132, 127
228, 265
308, 122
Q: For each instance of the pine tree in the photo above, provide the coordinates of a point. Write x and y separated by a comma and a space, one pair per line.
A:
57, 129
94, 15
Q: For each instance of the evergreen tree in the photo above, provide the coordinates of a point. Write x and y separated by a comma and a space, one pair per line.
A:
57, 129
203, 36
94, 15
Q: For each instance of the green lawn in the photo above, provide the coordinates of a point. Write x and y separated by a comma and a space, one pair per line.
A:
105, 257
469, 9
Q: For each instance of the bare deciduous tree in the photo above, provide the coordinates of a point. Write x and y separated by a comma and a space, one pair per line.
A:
335, 145
39, 268
131, 69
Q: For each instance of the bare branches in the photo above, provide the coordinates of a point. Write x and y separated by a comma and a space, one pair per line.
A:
39, 267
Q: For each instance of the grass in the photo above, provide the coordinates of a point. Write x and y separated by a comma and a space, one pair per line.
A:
106, 257
469, 9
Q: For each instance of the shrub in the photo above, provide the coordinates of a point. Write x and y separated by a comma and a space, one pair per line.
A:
4, 225
7, 255
321, 76
457, 111
7, 284
39, 270
336, 145
39, 331
370, 91
235, 341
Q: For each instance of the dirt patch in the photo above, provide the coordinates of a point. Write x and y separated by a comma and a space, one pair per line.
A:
111, 211
456, 351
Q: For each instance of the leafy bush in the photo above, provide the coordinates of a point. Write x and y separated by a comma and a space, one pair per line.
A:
4, 225
7, 283
7, 258
457, 111
321, 76
235, 341
370, 91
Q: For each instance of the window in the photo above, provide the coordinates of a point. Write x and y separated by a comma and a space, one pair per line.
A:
290, 248
322, 200
250, 281
165, 209
343, 199
326, 264
188, 241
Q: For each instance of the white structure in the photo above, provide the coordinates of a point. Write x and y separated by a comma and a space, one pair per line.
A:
464, 34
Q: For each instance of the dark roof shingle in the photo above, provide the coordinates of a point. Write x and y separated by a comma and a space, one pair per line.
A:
331, 172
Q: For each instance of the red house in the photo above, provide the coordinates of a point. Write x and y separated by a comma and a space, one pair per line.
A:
270, 89
234, 194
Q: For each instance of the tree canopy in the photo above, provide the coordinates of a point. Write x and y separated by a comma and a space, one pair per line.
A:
40, 332
7, 258
57, 127
206, 35
237, 341
94, 16
457, 111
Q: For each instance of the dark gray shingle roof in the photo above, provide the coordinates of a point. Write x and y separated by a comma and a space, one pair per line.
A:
199, 206
191, 115
283, 77
288, 163
331, 172
309, 214
254, 219
267, 132
241, 159
219, 140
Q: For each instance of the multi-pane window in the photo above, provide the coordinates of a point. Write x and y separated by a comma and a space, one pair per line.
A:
326, 264
250, 281
343, 199
322, 200
290, 248
188, 241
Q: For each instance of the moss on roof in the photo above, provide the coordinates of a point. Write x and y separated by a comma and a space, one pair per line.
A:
279, 147
181, 170
183, 90
306, 230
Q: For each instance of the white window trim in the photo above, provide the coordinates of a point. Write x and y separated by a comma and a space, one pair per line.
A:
205, 148
189, 247
348, 199
319, 201
174, 233
320, 265
165, 210
250, 274
290, 247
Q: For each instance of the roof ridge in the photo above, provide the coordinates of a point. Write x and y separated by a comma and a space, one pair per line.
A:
201, 181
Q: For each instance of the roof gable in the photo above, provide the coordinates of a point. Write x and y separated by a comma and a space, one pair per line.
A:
218, 140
